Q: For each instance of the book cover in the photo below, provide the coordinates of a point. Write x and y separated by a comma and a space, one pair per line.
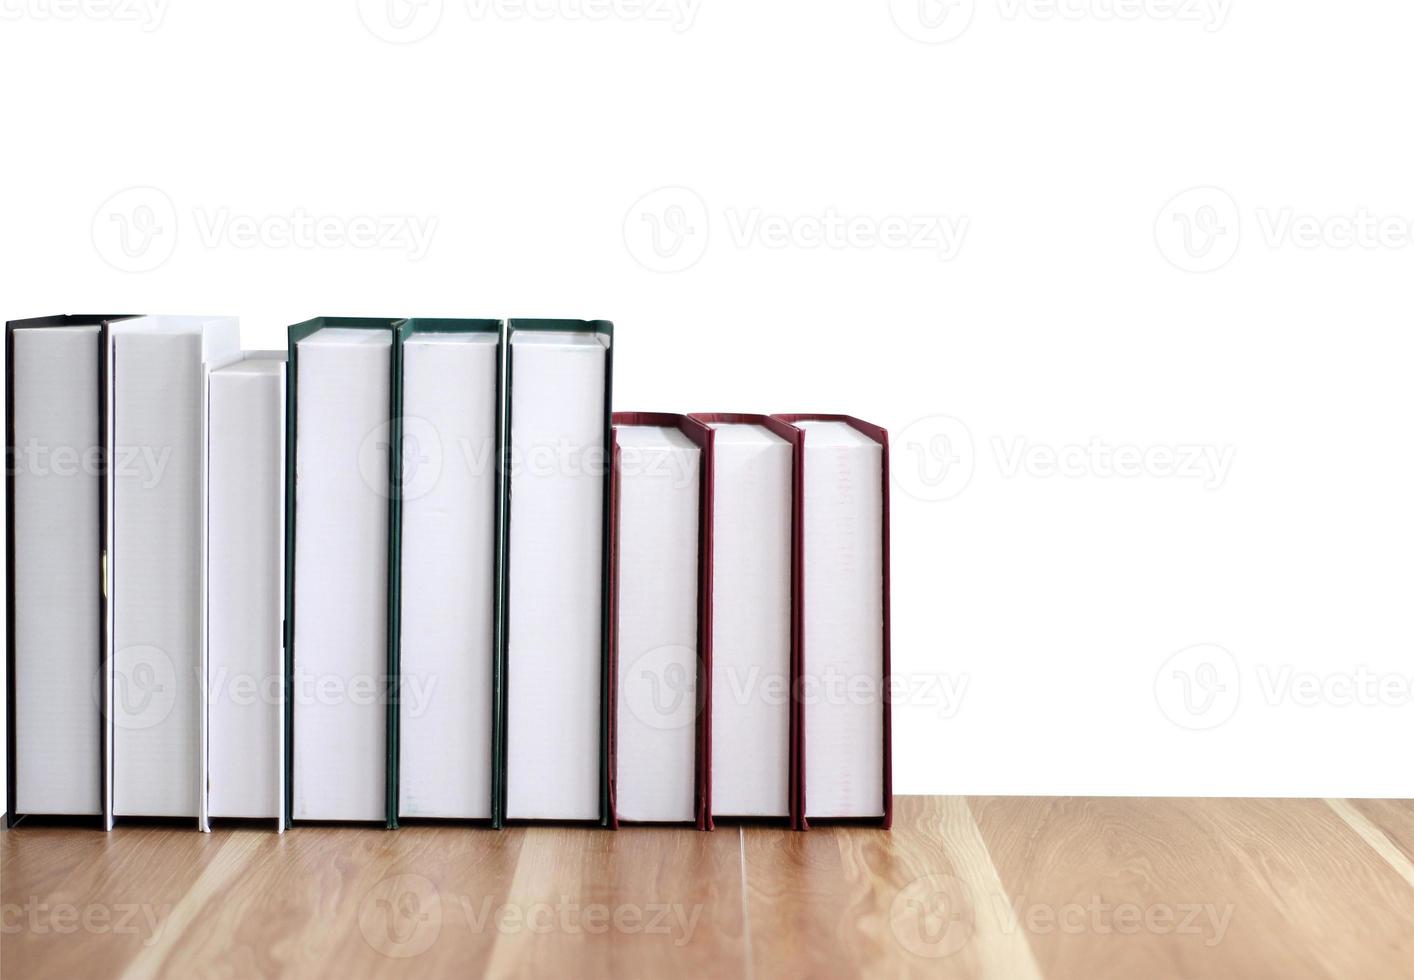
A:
837, 532
698, 435
84, 639
562, 606
795, 799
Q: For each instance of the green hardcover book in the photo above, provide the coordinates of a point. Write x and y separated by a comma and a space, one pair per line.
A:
554, 689
56, 524
444, 719
341, 551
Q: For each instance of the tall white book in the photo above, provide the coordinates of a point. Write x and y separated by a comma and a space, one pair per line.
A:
658, 523
340, 373
752, 503
844, 660
556, 725
448, 492
55, 476
156, 556
244, 754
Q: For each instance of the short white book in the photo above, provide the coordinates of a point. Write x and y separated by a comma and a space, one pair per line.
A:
555, 575
659, 491
157, 455
340, 609
245, 589
57, 547
843, 634
448, 572
753, 469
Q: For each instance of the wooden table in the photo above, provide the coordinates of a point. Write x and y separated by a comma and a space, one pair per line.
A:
962, 887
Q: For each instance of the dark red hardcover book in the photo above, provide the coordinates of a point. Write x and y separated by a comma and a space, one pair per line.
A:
699, 435
878, 435
794, 437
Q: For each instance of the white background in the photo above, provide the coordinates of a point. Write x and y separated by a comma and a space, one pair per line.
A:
1077, 307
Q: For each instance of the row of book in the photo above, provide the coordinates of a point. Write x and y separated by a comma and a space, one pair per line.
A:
418, 569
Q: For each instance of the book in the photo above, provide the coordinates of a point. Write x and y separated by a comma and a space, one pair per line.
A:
754, 541
844, 619
555, 672
244, 752
661, 664
340, 560
156, 561
449, 496
55, 523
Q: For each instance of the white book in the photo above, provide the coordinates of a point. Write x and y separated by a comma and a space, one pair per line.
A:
752, 500
245, 589
341, 498
658, 522
448, 574
843, 660
57, 488
555, 582
158, 367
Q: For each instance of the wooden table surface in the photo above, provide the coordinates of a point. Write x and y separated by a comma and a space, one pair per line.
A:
962, 887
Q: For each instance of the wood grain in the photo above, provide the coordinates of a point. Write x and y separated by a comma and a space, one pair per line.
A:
986, 887
641, 902
1190, 888
1394, 819
77, 902
851, 901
